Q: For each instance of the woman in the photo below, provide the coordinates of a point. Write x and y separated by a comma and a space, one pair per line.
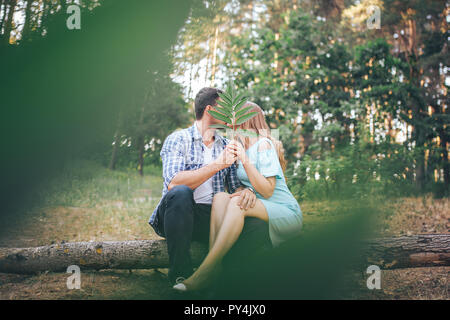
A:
260, 167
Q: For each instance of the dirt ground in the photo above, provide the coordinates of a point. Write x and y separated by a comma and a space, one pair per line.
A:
56, 224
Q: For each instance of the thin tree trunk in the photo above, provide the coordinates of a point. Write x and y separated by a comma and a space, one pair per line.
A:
444, 158
442, 132
43, 16
251, 6
207, 62
141, 139
27, 25
9, 20
113, 162
2, 13
414, 76
387, 253
418, 135
214, 58
190, 81
63, 6
141, 145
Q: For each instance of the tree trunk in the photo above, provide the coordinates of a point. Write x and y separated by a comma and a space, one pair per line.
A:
419, 137
9, 22
207, 61
418, 133
112, 163
190, 81
387, 253
63, 6
2, 13
44, 16
141, 141
27, 25
141, 144
443, 144
446, 163
214, 58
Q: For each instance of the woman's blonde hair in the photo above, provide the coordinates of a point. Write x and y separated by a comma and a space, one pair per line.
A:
259, 125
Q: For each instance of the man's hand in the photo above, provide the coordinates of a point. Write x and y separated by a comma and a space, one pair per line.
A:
225, 159
247, 199
237, 148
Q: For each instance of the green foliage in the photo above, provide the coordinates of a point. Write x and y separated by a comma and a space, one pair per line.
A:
147, 119
352, 173
339, 107
230, 110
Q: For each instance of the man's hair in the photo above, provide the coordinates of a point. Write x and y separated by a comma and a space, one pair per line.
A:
205, 97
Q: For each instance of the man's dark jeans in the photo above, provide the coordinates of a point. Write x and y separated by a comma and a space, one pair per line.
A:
180, 220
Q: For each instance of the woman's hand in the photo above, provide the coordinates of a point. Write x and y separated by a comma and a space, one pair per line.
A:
237, 148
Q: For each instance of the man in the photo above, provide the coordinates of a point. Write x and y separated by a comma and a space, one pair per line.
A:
196, 166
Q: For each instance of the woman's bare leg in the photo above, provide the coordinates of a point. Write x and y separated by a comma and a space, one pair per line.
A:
228, 234
219, 207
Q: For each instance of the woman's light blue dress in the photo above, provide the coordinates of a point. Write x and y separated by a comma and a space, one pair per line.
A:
285, 216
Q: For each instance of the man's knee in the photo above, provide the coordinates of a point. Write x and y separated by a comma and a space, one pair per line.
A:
179, 208
180, 192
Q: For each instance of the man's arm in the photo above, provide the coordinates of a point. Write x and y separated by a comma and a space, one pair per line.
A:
194, 178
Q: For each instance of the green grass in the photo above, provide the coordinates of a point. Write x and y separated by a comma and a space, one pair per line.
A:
87, 184
88, 202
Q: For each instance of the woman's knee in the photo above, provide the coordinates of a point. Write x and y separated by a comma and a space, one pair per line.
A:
220, 198
257, 211
234, 206
219, 204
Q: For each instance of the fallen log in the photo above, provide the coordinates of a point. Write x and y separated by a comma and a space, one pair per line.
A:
388, 253
425, 250
135, 254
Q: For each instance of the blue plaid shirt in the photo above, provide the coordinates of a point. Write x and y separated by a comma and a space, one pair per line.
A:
183, 150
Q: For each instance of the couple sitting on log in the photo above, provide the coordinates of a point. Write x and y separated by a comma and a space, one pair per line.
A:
230, 194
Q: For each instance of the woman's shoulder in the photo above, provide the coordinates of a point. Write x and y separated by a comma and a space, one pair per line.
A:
264, 144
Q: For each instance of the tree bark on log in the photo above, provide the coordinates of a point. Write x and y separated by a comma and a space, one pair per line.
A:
136, 254
425, 250
387, 253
